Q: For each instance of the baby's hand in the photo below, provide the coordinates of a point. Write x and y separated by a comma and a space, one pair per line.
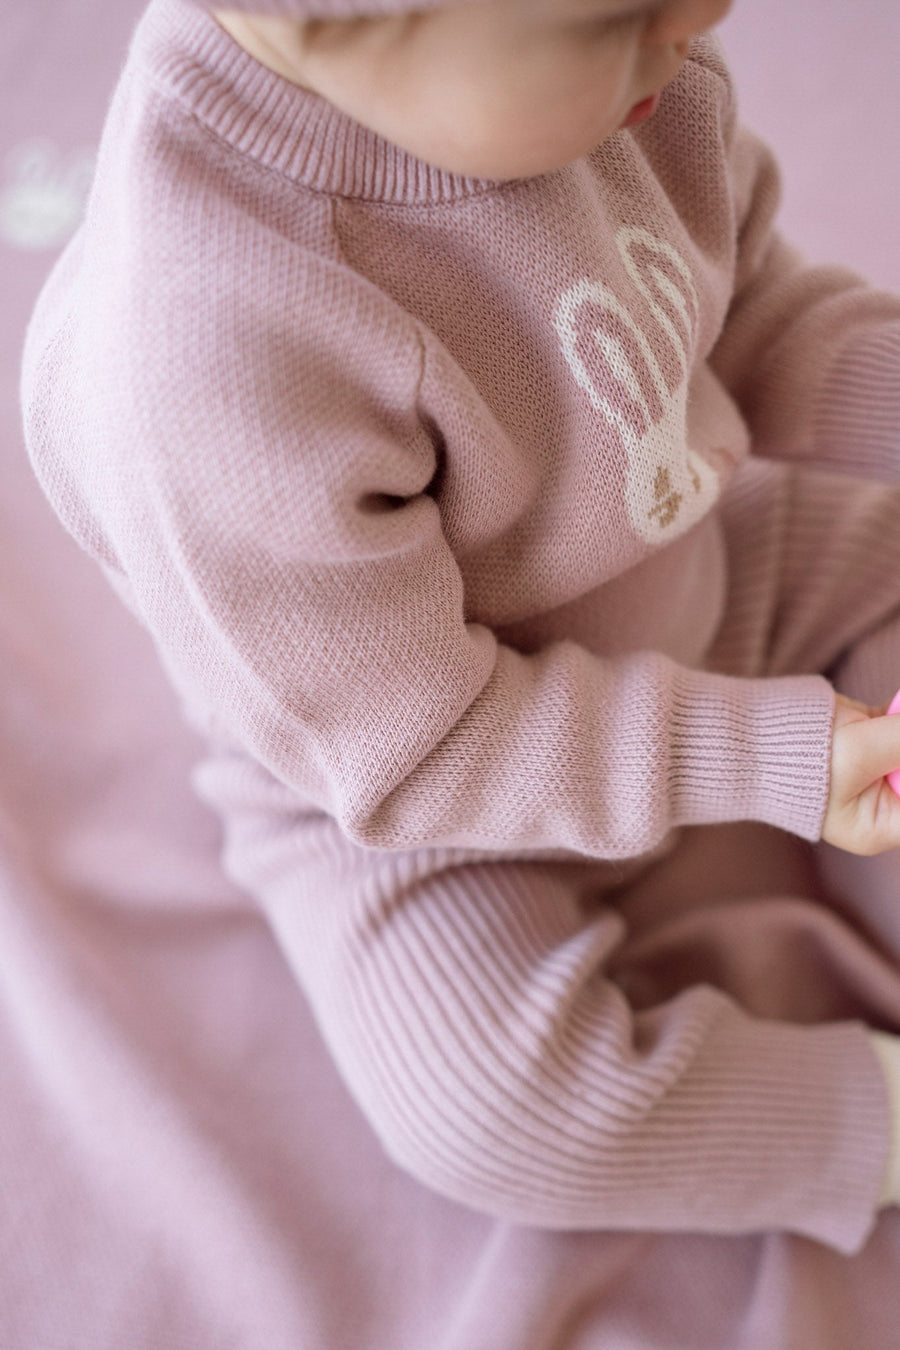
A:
863, 812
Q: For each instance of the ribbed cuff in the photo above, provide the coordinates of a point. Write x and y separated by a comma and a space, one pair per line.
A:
747, 749
809, 1106
280, 125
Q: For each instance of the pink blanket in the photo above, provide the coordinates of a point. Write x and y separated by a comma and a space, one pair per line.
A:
180, 1167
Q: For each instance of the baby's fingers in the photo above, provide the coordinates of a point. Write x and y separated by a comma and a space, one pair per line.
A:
863, 813
864, 752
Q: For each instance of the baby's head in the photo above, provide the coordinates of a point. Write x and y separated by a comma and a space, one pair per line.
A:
491, 88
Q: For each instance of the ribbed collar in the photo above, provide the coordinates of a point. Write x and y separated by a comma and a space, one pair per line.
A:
183, 50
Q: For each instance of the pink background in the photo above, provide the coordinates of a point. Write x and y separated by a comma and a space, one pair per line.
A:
818, 78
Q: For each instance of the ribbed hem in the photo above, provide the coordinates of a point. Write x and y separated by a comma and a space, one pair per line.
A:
801, 1117
279, 125
858, 421
751, 750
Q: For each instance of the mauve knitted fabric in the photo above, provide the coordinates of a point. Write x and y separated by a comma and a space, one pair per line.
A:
427, 489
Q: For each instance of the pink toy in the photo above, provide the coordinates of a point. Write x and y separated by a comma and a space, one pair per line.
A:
894, 776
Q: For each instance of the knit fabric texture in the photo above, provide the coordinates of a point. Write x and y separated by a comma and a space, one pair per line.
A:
428, 490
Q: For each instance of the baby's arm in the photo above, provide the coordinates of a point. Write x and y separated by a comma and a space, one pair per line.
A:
811, 354
293, 563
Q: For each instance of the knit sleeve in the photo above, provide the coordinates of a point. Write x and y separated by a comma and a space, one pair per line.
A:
277, 524
280, 534
810, 353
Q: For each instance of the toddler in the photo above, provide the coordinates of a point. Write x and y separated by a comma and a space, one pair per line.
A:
502, 495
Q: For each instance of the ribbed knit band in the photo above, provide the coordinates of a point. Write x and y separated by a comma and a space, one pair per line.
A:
278, 124
764, 745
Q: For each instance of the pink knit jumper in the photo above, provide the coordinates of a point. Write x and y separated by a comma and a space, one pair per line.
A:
421, 484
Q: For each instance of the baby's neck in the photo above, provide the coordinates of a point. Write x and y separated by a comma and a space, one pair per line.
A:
274, 42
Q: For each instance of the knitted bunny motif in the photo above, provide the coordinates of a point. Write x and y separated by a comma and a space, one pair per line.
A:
637, 381
43, 197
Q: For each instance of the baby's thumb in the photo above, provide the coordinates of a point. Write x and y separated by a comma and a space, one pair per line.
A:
875, 751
